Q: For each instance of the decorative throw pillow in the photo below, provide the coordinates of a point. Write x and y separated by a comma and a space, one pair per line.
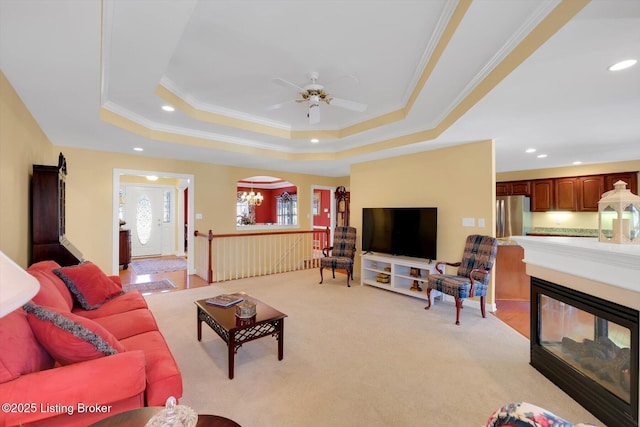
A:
70, 338
89, 285
524, 414
20, 353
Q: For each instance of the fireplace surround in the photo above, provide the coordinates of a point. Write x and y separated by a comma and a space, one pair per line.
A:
588, 347
585, 300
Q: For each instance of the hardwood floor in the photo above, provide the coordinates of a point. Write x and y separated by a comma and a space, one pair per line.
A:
513, 313
179, 278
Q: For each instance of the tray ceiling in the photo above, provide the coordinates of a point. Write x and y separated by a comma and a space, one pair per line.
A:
432, 74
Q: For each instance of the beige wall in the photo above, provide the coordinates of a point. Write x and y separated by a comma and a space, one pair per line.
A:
459, 181
89, 195
22, 144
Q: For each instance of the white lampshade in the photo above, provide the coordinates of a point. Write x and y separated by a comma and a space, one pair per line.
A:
16, 285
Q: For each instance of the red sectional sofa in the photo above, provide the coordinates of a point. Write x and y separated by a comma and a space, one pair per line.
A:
65, 365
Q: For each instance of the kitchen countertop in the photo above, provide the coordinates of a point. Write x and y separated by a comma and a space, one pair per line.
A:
564, 232
507, 241
550, 232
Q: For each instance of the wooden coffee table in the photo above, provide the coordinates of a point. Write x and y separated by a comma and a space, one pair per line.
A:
140, 416
235, 331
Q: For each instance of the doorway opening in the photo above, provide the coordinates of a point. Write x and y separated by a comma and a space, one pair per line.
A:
323, 208
182, 220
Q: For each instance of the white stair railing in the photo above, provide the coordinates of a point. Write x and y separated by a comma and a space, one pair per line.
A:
242, 255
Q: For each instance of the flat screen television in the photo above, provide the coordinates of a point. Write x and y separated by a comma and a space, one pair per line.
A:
409, 232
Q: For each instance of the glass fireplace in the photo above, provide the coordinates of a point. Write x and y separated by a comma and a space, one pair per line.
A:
588, 347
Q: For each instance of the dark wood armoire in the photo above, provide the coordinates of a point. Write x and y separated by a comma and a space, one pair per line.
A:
48, 241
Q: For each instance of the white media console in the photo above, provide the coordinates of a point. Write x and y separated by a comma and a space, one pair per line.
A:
399, 271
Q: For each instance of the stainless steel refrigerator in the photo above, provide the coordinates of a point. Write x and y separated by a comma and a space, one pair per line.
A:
513, 216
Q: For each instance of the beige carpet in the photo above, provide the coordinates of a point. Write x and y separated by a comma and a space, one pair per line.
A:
358, 356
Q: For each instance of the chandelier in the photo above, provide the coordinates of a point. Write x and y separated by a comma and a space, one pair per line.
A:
254, 199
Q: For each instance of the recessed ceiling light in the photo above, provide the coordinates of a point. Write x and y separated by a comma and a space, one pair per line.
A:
623, 64
152, 178
138, 149
314, 140
577, 162
168, 108
542, 156
530, 150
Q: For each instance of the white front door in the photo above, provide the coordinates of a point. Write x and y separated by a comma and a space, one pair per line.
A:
144, 218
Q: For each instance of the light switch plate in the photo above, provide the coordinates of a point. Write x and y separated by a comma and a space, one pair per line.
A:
468, 222
198, 216
480, 222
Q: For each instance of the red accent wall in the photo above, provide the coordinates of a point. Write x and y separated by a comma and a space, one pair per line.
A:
323, 220
266, 212
290, 190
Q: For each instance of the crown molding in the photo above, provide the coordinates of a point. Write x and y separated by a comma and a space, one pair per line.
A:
172, 87
188, 132
538, 15
441, 26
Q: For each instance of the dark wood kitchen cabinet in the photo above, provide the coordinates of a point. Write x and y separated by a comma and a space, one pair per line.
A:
631, 178
566, 194
502, 189
542, 195
590, 189
513, 188
554, 194
580, 193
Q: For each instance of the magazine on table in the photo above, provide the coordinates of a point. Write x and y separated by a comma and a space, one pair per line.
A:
224, 300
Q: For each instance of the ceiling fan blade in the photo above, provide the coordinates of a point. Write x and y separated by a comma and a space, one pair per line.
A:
288, 84
349, 105
314, 110
342, 77
280, 105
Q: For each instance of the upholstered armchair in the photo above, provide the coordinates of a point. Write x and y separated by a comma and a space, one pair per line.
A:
472, 276
341, 254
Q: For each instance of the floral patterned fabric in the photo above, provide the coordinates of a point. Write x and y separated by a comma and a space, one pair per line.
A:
523, 414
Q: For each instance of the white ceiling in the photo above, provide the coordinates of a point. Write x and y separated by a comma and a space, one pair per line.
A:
94, 74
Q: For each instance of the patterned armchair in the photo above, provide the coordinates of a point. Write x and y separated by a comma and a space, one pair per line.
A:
472, 278
342, 253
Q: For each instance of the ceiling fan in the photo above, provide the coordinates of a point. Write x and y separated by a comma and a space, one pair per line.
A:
314, 93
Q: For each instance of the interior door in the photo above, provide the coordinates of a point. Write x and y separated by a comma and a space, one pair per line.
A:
144, 218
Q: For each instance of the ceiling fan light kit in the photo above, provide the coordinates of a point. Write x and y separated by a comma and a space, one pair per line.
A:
313, 94
314, 109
